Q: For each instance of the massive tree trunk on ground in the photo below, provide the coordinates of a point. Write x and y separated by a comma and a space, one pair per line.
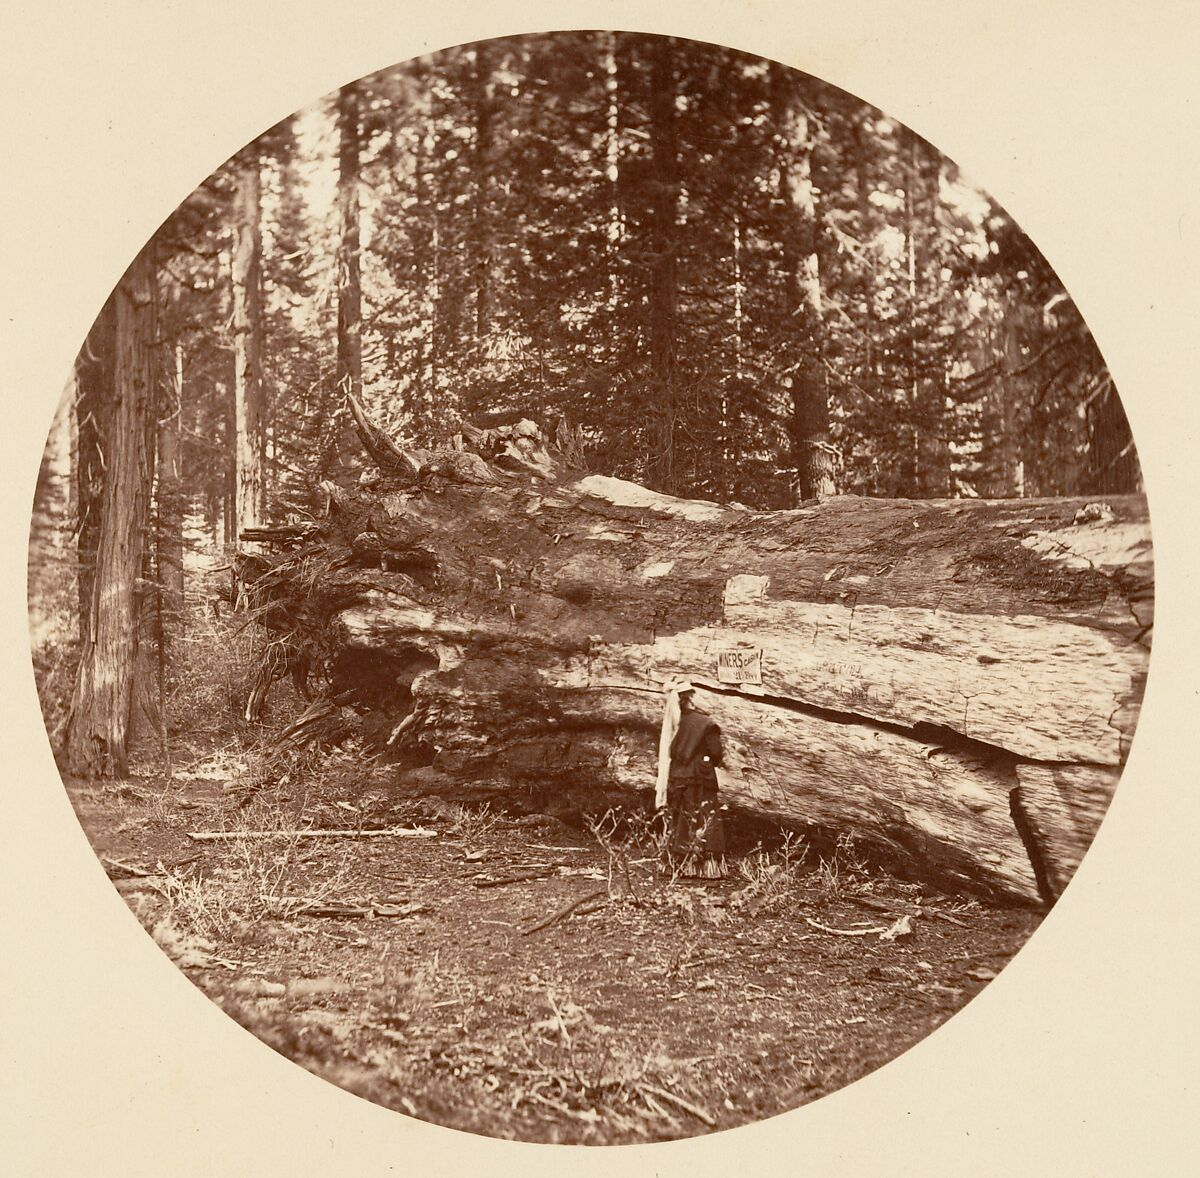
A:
955, 682
98, 729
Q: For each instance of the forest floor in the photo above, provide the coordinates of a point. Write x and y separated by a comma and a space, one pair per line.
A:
409, 969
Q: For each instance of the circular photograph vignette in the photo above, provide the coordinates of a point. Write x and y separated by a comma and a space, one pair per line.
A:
590, 588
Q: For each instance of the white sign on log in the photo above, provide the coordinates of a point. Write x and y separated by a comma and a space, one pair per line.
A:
739, 665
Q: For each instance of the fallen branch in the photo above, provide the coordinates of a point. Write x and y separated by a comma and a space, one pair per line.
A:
589, 1116
764, 992
117, 869
588, 909
653, 1105
701, 961
903, 908
298, 906
562, 912
226, 836
846, 932
679, 1102
522, 877
892, 908
945, 916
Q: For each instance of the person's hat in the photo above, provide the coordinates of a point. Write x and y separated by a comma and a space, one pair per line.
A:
681, 687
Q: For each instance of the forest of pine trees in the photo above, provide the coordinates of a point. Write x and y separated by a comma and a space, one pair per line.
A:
742, 282
738, 281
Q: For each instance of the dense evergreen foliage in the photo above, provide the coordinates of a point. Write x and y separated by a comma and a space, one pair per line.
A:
742, 282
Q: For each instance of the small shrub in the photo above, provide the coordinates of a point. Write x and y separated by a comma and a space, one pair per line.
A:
471, 823
844, 871
201, 905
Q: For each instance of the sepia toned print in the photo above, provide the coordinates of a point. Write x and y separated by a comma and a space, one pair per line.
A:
608, 588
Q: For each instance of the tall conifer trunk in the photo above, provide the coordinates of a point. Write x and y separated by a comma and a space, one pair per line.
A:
484, 160
98, 728
339, 465
931, 456
811, 452
170, 508
249, 396
1011, 483
94, 398
664, 279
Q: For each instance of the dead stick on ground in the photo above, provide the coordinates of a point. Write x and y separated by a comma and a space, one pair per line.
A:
845, 932
944, 916
588, 909
130, 869
564, 911
541, 873
705, 961
679, 1102
764, 991
656, 1108
225, 836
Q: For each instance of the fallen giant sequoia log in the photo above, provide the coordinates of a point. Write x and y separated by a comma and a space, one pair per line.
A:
956, 682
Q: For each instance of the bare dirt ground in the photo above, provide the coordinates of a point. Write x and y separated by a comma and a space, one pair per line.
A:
410, 970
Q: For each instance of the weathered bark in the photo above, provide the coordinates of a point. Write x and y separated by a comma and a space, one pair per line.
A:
98, 728
169, 511
931, 449
249, 395
505, 621
94, 398
339, 463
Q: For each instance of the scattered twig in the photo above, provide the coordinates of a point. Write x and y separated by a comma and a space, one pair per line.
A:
765, 992
892, 907
902, 927
562, 912
846, 932
117, 869
702, 961
588, 1116
945, 916
226, 836
299, 906
679, 1102
653, 1105
558, 1015
521, 877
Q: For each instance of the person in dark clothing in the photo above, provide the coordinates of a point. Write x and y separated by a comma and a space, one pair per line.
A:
695, 831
